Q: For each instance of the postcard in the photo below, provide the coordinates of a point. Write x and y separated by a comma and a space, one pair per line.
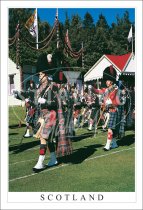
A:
71, 104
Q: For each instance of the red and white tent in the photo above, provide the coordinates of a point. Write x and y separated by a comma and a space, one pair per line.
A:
123, 64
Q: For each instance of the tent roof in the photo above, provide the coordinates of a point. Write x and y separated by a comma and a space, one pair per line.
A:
119, 60
121, 63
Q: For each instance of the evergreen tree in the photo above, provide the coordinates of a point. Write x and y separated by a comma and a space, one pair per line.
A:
18, 16
75, 32
102, 37
88, 22
88, 34
27, 55
119, 33
98, 39
67, 22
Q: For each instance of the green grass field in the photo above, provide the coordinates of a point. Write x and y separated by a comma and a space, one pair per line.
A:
88, 169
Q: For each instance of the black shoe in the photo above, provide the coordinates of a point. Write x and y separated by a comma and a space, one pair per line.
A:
35, 170
105, 149
27, 136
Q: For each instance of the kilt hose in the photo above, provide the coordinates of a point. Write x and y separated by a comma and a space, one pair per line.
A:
116, 121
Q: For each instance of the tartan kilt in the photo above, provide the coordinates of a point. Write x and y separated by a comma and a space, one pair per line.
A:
54, 126
116, 120
49, 127
112, 120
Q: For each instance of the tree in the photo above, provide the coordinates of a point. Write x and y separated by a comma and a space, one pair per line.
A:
67, 22
98, 39
119, 33
27, 54
88, 33
102, 37
88, 22
18, 15
75, 32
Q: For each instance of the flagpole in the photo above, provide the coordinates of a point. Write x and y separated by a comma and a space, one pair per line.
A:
57, 28
132, 42
37, 29
82, 55
67, 40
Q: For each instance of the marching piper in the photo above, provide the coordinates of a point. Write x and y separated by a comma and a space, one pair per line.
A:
113, 100
51, 119
49, 123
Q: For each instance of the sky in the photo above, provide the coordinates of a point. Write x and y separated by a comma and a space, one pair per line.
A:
110, 14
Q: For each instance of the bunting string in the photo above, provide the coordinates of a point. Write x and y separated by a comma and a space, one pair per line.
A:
10, 39
13, 41
42, 48
68, 49
47, 38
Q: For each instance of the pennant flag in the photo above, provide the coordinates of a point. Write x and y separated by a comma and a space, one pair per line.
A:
31, 24
130, 36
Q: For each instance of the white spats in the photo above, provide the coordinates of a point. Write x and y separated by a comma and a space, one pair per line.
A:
40, 164
90, 127
107, 146
27, 134
110, 145
75, 122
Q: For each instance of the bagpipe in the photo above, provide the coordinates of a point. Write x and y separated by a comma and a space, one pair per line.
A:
113, 97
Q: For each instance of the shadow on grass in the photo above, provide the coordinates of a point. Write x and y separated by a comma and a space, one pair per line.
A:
81, 137
80, 154
126, 140
17, 126
13, 133
130, 128
24, 146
